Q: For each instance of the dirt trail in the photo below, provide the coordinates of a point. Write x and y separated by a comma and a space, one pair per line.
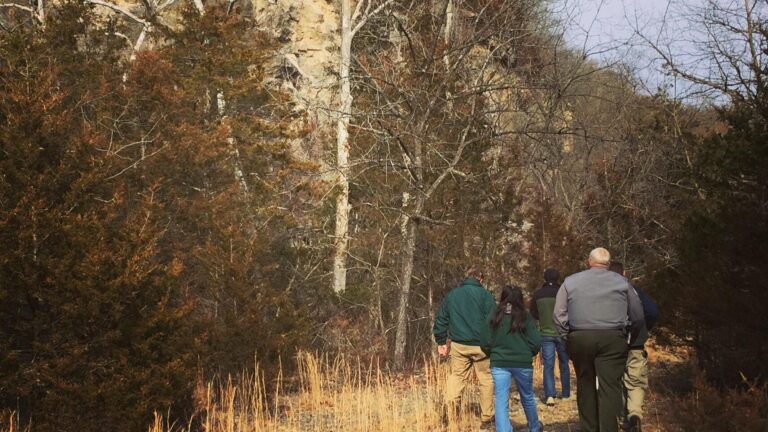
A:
667, 370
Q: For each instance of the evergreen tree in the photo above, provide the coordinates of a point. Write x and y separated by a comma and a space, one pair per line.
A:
140, 241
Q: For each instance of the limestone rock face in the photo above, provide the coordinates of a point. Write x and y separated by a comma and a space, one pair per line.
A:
307, 64
309, 30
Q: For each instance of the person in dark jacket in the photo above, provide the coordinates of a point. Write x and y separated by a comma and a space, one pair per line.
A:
542, 306
592, 310
461, 319
636, 371
512, 340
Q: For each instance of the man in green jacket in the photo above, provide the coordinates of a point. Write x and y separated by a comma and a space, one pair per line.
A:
461, 319
542, 307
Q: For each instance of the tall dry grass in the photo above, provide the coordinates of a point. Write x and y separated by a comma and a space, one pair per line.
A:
9, 422
332, 394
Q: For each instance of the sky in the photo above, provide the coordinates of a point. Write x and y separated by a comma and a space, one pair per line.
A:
600, 22
609, 31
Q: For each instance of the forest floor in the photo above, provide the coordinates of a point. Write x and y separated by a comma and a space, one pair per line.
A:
668, 377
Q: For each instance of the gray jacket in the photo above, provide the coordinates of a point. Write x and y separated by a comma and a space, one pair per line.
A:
598, 299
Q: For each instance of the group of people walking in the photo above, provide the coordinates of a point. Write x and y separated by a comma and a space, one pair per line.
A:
596, 319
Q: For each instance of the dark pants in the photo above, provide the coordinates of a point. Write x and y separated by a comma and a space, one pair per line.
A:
600, 354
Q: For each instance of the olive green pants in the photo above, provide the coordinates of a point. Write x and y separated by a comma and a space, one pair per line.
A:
636, 381
465, 358
601, 355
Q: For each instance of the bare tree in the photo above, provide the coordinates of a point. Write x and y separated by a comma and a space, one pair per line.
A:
353, 18
442, 98
35, 8
718, 47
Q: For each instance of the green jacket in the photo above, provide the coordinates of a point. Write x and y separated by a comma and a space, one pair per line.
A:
511, 350
461, 316
542, 307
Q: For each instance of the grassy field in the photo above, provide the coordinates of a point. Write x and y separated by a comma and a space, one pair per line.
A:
345, 394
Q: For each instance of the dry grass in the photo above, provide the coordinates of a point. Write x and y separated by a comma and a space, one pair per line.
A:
344, 394
334, 394
9, 422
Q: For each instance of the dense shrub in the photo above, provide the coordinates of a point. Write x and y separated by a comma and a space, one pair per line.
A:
139, 241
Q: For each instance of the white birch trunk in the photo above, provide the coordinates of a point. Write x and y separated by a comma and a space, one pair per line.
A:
342, 151
448, 29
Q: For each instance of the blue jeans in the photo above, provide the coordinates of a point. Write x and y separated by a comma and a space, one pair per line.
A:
502, 380
550, 344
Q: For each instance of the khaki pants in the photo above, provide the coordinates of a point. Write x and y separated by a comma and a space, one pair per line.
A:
463, 359
636, 381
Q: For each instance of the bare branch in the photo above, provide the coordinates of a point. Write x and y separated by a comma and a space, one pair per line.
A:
17, 6
370, 14
199, 6
41, 12
139, 41
118, 9
356, 13
165, 5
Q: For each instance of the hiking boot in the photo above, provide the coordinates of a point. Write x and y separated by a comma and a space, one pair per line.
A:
550, 401
634, 424
487, 426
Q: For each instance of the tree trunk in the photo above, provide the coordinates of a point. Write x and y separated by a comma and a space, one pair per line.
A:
221, 105
409, 246
378, 310
408, 229
41, 12
342, 152
199, 6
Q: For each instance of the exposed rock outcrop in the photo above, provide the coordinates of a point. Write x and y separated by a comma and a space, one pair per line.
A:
309, 61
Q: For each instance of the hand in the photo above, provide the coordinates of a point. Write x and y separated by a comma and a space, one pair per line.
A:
442, 350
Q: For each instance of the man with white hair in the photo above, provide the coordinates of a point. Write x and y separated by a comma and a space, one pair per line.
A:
594, 310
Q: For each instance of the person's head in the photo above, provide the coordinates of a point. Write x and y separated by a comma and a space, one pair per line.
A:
512, 295
551, 275
475, 272
599, 257
510, 302
616, 267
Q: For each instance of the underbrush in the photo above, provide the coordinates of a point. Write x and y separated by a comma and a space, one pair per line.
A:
343, 394
707, 409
